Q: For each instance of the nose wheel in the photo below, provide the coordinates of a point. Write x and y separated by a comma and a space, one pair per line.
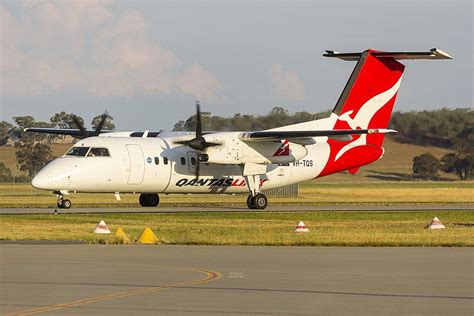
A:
149, 199
62, 202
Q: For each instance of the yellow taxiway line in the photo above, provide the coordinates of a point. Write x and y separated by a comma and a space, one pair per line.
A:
210, 276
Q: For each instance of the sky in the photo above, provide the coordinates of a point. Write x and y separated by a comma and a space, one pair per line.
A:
146, 62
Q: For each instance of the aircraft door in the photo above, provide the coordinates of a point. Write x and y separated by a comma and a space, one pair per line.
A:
192, 161
137, 164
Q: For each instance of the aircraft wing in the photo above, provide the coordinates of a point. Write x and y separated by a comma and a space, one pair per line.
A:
300, 136
64, 131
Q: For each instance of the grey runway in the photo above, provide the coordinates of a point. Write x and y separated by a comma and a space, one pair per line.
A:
271, 208
210, 280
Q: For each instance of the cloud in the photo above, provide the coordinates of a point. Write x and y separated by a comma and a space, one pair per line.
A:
286, 84
53, 46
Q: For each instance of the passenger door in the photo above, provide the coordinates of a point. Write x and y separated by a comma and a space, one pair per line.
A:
137, 164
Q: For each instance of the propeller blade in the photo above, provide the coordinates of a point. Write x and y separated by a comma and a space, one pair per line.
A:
99, 127
79, 125
198, 121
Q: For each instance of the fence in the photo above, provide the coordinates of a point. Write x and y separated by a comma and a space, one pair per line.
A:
288, 190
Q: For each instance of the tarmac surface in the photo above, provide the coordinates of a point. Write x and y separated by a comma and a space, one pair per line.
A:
210, 280
271, 208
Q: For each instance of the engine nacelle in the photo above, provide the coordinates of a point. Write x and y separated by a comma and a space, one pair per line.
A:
235, 151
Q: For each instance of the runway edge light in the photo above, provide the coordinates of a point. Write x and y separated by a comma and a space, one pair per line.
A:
102, 228
148, 237
120, 236
301, 228
435, 224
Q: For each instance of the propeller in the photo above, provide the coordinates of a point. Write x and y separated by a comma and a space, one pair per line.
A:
84, 131
198, 143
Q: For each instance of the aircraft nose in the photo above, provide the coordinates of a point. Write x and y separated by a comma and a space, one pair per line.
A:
41, 180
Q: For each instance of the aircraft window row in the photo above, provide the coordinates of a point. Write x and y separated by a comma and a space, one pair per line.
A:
165, 160
183, 161
157, 161
193, 161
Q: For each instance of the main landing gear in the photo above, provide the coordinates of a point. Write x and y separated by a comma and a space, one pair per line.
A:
149, 199
62, 202
256, 200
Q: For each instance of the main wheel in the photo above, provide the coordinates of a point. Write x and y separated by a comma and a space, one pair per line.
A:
260, 201
149, 199
251, 202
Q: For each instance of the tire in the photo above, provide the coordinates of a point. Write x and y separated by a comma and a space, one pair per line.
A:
260, 201
149, 199
66, 204
250, 202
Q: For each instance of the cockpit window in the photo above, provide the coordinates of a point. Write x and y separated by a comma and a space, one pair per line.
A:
78, 151
98, 152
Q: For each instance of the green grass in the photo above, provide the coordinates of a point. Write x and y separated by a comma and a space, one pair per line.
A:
257, 228
311, 193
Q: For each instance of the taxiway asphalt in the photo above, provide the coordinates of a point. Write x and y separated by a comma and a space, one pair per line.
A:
271, 208
211, 280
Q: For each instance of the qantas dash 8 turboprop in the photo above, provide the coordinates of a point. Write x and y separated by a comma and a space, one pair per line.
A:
233, 162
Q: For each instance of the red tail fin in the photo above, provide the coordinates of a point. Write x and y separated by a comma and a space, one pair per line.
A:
368, 97
367, 103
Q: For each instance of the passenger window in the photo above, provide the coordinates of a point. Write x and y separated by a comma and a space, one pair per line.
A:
165, 160
157, 160
78, 151
193, 161
183, 161
98, 152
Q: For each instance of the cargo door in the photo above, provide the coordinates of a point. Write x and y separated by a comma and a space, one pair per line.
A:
137, 164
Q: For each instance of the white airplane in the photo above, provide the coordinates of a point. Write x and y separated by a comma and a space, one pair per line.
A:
236, 162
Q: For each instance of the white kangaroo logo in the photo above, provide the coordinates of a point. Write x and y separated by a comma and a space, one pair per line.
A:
365, 114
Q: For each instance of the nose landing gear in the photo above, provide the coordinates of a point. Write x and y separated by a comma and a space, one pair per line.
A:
62, 202
149, 199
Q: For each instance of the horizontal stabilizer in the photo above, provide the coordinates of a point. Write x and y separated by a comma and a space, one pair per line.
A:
434, 53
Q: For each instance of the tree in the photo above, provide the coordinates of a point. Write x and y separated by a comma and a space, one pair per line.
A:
4, 128
32, 157
425, 165
461, 166
464, 141
5, 173
108, 125
64, 120
179, 127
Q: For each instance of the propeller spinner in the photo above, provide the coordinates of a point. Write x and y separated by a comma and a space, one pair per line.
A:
198, 143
